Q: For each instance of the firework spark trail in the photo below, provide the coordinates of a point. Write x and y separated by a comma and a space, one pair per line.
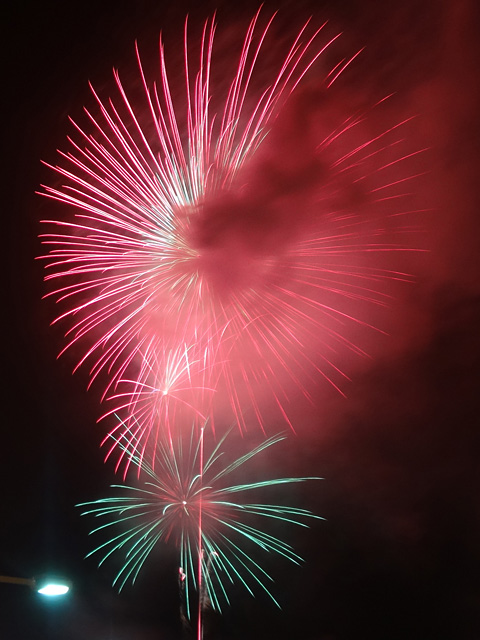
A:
162, 263
200, 550
188, 501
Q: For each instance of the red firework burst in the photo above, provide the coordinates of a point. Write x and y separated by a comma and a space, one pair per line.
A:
190, 288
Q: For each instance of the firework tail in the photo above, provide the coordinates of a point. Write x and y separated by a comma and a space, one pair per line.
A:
200, 543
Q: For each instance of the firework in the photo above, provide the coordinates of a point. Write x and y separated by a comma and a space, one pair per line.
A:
170, 397
166, 267
188, 501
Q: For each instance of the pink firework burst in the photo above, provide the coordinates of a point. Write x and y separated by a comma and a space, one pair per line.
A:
195, 281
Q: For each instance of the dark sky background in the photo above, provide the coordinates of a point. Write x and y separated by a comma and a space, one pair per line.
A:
398, 555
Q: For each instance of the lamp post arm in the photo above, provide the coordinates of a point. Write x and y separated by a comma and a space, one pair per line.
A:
29, 582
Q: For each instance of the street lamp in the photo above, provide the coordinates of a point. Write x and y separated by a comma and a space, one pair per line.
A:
46, 586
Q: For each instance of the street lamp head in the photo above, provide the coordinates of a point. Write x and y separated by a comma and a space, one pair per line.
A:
53, 589
49, 586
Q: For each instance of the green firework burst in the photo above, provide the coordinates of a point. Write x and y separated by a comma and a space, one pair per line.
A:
186, 498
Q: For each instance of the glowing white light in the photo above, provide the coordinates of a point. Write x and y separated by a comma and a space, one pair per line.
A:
54, 589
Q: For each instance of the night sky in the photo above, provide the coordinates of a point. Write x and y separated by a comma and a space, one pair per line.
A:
397, 557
